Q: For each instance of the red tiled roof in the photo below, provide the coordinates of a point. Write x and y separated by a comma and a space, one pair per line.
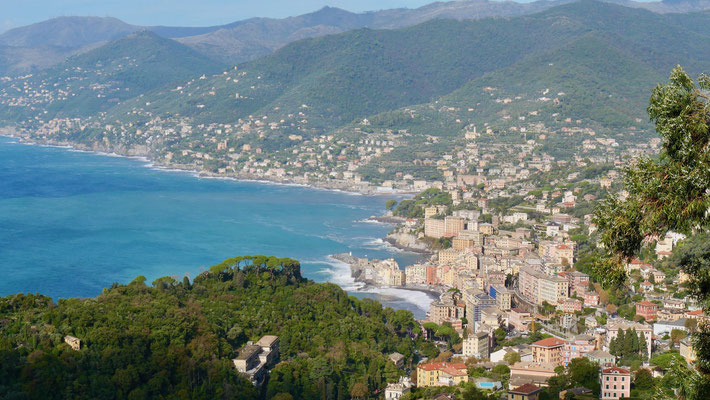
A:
646, 303
549, 342
527, 388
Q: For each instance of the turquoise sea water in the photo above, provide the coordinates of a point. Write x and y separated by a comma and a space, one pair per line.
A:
72, 223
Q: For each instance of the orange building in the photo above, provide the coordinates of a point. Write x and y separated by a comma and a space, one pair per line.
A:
548, 351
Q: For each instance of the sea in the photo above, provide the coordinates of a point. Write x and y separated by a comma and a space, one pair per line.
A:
73, 223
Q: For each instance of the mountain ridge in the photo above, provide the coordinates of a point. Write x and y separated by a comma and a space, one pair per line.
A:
41, 45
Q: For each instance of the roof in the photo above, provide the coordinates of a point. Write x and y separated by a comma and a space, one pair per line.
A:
549, 342
646, 303
527, 388
267, 340
248, 351
441, 366
600, 354
616, 371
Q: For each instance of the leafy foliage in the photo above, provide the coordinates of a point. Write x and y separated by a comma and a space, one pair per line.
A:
176, 339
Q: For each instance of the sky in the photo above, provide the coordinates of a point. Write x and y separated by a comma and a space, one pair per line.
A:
14, 13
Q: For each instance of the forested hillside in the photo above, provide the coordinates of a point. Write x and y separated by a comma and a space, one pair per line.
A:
175, 339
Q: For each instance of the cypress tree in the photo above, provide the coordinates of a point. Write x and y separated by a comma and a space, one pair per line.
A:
620, 340
643, 347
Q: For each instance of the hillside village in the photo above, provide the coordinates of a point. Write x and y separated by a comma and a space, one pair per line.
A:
515, 279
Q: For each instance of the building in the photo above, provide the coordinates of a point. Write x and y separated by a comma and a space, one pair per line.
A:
475, 303
616, 383
74, 343
485, 228
434, 228
614, 325
397, 359
448, 256
441, 374
527, 391
453, 225
539, 287
530, 372
687, 351
570, 305
578, 346
519, 319
415, 274
548, 351
399, 389
255, 359
578, 282
602, 358
647, 310
476, 345
448, 307
591, 299
661, 328
502, 295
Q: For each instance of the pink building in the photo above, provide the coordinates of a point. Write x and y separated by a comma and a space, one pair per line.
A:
578, 346
591, 299
616, 383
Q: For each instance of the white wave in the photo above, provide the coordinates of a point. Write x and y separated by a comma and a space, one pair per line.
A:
418, 298
340, 275
379, 244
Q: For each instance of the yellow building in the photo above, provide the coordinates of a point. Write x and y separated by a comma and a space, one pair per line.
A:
441, 374
434, 228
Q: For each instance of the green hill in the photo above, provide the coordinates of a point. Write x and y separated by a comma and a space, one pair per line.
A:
175, 340
94, 81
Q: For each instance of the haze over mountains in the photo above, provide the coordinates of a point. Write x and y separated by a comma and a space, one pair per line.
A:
47, 43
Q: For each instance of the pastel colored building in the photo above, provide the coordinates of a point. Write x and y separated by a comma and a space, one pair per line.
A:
616, 383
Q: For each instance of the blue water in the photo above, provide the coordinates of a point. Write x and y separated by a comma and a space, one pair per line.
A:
72, 223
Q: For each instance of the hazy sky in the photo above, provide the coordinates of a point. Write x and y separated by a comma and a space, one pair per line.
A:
14, 13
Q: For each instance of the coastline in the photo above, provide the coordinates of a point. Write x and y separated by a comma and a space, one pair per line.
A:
145, 156
413, 297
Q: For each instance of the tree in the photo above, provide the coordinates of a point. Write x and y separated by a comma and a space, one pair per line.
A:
677, 335
390, 204
511, 358
584, 372
643, 347
359, 391
499, 335
668, 193
643, 380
